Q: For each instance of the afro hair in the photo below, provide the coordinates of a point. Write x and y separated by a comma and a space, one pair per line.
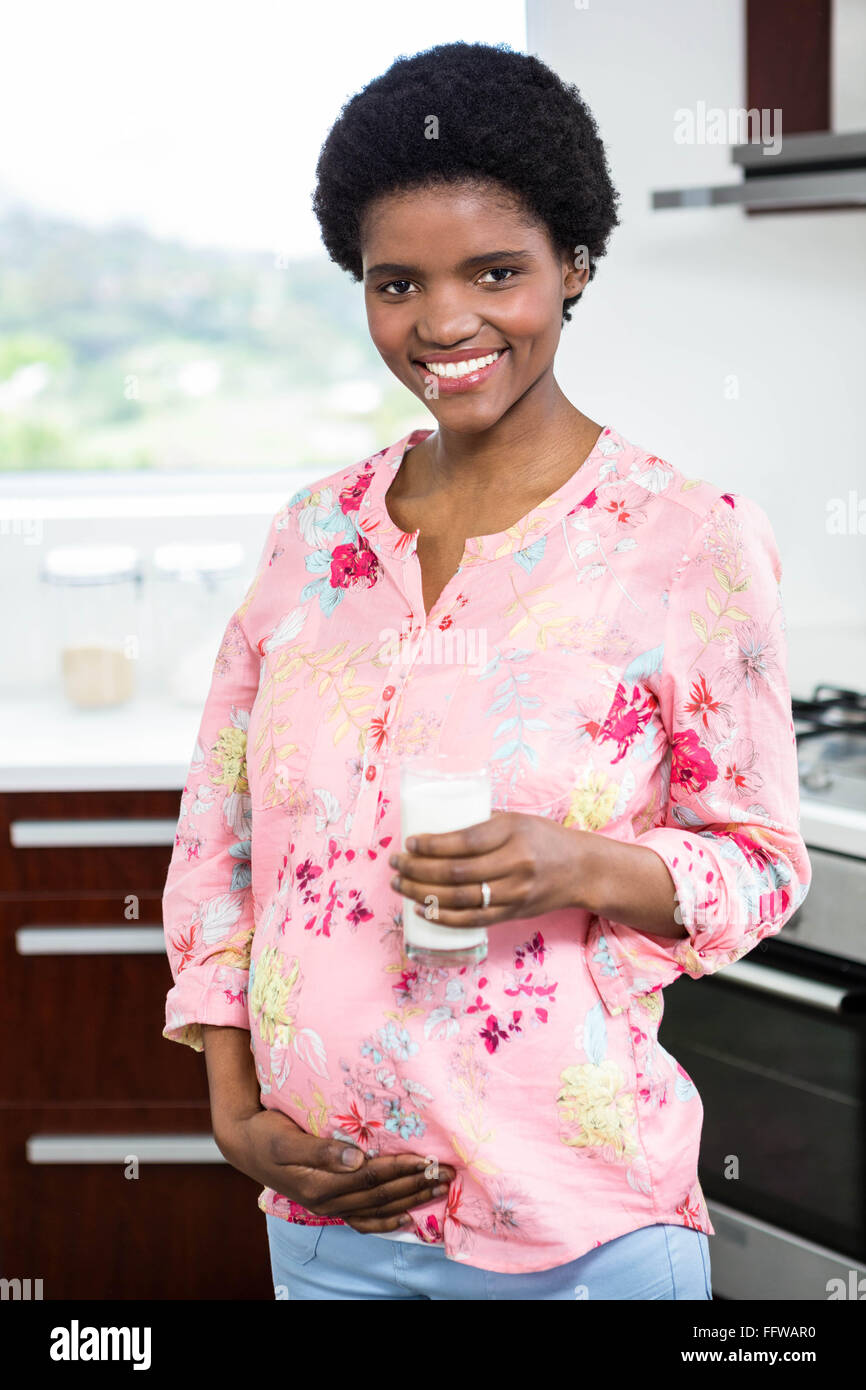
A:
502, 116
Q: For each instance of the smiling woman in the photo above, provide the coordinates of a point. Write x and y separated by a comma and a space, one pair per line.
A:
516, 1122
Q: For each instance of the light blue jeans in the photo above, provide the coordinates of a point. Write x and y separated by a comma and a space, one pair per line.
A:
311, 1262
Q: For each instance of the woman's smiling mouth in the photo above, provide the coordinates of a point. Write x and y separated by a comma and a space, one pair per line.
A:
461, 371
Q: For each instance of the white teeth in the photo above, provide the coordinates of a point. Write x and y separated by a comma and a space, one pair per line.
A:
474, 364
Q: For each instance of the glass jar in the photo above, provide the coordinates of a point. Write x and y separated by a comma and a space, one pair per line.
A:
196, 589
96, 598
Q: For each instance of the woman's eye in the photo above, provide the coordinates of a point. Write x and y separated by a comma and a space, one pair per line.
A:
500, 270
394, 288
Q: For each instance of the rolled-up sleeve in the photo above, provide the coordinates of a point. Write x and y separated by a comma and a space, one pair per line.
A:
207, 901
730, 837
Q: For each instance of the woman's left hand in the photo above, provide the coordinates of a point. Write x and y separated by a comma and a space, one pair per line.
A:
532, 865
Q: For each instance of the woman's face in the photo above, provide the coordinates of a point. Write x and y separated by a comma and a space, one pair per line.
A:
455, 271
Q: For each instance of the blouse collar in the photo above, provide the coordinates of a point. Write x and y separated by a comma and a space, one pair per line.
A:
374, 521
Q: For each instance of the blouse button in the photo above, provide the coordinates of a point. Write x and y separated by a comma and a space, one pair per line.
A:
387, 692
370, 773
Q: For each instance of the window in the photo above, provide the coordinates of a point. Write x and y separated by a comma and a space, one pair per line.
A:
165, 301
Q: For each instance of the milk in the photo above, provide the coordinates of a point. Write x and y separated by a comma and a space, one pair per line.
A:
432, 804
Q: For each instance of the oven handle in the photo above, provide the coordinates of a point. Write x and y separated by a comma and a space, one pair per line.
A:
831, 998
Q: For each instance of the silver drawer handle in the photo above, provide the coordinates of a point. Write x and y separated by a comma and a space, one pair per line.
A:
119, 1148
769, 981
66, 834
90, 941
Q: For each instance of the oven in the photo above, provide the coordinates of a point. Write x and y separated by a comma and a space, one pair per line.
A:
776, 1045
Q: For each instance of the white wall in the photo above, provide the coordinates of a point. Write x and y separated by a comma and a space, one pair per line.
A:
686, 297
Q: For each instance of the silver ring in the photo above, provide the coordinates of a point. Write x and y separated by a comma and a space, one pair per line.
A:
485, 895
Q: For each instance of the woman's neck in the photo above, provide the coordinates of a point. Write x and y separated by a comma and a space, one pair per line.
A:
520, 458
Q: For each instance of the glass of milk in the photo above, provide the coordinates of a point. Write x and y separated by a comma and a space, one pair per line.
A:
441, 792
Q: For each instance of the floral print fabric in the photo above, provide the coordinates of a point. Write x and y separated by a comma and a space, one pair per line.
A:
619, 657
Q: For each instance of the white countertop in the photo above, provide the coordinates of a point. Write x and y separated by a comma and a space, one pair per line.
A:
49, 745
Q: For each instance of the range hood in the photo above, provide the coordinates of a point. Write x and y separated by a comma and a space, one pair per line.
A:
821, 170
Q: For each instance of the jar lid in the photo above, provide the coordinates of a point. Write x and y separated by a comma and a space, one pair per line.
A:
90, 564
190, 562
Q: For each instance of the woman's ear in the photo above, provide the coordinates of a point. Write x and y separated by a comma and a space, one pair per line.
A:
574, 278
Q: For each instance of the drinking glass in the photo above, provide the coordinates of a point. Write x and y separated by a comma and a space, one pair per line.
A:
440, 792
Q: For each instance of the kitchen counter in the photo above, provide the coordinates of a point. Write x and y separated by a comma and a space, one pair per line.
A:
48, 745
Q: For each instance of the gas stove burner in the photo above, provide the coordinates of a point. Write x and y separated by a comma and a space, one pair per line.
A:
831, 748
832, 709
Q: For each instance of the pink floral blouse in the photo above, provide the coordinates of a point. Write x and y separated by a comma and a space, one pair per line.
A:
619, 658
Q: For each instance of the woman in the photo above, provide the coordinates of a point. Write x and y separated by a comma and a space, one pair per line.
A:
513, 1129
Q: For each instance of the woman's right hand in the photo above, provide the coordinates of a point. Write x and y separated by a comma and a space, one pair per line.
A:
373, 1196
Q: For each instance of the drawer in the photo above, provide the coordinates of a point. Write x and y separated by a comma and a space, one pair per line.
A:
186, 1227
87, 840
85, 1006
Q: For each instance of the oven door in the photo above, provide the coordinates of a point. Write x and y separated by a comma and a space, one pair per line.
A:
776, 1045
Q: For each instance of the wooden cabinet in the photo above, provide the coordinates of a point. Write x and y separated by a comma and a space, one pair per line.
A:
112, 1185
91, 1229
